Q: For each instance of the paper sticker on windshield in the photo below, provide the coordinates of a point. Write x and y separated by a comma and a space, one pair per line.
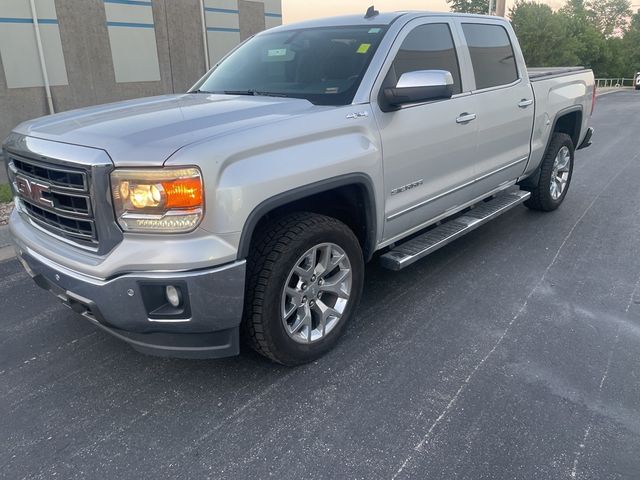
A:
374, 30
364, 47
277, 52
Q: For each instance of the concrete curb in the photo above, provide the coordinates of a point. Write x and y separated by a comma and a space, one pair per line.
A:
7, 253
6, 246
5, 238
3, 171
615, 90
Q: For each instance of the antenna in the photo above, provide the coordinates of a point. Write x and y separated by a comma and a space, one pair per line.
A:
371, 12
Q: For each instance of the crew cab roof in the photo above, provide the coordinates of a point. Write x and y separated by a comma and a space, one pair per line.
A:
344, 20
380, 19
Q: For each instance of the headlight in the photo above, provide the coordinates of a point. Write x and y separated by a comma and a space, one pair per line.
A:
167, 200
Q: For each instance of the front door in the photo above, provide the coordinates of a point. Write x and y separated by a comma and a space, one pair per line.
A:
429, 148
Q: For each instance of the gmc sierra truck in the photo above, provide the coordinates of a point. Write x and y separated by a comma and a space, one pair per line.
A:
248, 206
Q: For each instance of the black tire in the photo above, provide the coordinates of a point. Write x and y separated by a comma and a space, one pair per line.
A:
274, 252
541, 198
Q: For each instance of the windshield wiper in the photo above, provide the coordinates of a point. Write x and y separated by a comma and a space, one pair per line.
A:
255, 93
251, 92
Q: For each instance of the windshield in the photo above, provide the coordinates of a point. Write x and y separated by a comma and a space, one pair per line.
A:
322, 65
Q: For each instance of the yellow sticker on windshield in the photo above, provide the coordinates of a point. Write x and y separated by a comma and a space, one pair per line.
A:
364, 47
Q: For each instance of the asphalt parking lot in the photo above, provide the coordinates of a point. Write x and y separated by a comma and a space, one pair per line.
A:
513, 353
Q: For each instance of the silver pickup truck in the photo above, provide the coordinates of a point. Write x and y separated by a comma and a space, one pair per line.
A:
247, 207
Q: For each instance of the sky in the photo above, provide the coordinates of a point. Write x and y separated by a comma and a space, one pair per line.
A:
297, 10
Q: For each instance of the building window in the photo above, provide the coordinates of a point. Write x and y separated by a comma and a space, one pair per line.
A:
223, 27
132, 37
18, 48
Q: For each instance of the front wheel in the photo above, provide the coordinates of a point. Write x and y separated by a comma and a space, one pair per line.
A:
556, 171
304, 280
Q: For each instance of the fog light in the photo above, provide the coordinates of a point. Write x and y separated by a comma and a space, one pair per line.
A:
173, 296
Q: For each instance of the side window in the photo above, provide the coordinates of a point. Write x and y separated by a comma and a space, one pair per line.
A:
492, 55
427, 47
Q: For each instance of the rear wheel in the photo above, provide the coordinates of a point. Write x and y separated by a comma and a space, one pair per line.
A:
555, 175
304, 280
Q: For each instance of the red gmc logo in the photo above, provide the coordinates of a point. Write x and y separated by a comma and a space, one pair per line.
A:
33, 191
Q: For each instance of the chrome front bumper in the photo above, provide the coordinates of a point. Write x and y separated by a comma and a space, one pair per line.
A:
208, 327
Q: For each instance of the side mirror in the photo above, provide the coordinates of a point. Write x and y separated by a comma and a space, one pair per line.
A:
420, 86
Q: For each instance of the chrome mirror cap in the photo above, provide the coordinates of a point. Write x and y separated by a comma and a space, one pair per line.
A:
417, 87
425, 78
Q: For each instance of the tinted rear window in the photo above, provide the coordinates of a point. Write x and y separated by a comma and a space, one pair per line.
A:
494, 63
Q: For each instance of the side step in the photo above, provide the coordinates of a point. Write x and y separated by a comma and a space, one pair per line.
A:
413, 250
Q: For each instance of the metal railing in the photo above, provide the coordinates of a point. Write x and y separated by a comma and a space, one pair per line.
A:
614, 82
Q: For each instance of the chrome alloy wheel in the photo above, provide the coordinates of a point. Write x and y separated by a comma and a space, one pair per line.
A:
316, 293
560, 173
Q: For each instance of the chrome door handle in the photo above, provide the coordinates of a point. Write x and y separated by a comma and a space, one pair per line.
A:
524, 103
466, 118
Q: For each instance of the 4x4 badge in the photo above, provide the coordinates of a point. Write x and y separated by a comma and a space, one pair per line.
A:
358, 115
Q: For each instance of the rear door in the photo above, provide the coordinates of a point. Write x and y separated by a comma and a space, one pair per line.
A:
428, 152
504, 100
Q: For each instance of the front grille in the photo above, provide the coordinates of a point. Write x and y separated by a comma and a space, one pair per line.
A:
54, 176
71, 203
56, 198
67, 226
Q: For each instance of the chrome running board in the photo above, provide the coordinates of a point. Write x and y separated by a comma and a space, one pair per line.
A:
406, 253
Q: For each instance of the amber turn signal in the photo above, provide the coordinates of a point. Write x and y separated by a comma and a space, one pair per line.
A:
183, 193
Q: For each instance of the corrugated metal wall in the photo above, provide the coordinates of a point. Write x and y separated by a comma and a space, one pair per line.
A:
99, 51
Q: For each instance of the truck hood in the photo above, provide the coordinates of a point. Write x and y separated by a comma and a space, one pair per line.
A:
148, 131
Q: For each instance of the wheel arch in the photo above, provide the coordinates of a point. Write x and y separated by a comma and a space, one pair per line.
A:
568, 121
354, 205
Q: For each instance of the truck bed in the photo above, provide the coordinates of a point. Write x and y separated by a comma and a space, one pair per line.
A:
536, 74
559, 90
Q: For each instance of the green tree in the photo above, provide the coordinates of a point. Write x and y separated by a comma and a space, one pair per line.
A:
589, 43
576, 10
543, 35
631, 46
470, 6
610, 16
598, 34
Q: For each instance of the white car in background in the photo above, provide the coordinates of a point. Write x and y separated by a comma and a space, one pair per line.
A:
637, 81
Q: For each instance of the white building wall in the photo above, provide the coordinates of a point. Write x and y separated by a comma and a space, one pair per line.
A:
18, 47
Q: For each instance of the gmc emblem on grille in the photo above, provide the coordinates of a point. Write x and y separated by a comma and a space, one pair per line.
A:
33, 192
